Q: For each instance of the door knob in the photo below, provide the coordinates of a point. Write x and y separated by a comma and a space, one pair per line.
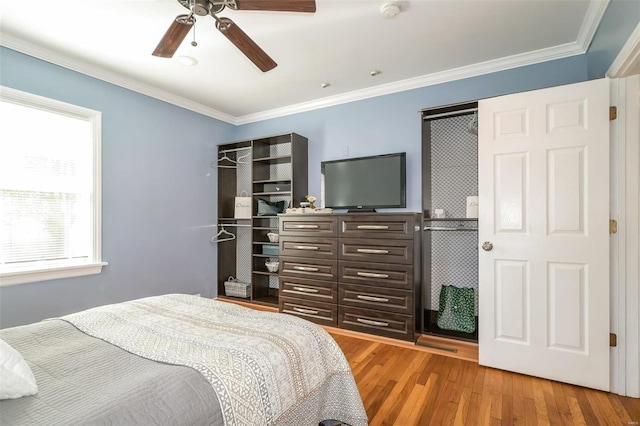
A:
487, 246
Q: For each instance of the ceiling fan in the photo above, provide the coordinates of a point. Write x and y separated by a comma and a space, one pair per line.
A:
182, 24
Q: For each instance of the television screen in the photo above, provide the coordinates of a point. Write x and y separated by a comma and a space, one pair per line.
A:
365, 183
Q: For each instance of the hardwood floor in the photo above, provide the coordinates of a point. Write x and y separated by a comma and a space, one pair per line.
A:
403, 385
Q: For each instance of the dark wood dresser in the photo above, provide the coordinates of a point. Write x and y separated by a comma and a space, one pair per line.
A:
355, 271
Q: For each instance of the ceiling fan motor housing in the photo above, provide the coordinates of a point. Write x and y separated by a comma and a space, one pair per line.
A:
201, 7
206, 7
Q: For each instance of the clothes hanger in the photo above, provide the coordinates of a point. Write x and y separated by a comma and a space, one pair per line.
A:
225, 158
222, 236
242, 158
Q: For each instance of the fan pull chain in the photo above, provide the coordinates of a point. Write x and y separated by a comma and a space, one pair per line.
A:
194, 43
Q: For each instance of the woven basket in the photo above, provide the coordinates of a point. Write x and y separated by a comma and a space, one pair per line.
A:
235, 288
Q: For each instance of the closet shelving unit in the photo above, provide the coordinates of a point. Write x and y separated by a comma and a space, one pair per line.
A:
450, 243
277, 171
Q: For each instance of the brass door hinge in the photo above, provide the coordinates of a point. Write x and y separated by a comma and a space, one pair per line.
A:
613, 340
613, 226
613, 113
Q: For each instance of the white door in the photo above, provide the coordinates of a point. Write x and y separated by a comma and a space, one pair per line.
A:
544, 214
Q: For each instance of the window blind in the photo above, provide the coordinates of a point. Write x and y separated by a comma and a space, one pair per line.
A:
46, 182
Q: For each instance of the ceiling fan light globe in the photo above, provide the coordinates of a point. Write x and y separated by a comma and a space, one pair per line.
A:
187, 61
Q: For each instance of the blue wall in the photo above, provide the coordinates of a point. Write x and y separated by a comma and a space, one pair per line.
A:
157, 192
392, 123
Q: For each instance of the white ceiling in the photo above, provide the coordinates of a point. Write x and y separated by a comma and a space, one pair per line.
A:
431, 41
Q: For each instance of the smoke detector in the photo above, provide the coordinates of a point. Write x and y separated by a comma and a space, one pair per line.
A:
390, 10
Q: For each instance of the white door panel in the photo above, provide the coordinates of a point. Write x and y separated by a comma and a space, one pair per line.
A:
544, 191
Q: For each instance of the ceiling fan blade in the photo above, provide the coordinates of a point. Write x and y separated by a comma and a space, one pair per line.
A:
247, 46
171, 40
278, 5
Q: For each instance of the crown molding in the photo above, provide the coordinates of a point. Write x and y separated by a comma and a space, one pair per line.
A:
628, 60
515, 61
55, 58
591, 22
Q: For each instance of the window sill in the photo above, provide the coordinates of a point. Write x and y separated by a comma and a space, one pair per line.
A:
50, 273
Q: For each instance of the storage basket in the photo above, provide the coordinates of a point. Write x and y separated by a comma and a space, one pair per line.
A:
235, 288
272, 266
273, 237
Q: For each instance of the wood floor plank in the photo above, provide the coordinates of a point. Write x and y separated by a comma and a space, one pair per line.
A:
495, 383
540, 403
445, 395
428, 399
381, 395
449, 414
517, 399
631, 405
588, 414
462, 409
562, 404
626, 410
473, 414
553, 414
394, 404
577, 415
405, 387
601, 406
530, 413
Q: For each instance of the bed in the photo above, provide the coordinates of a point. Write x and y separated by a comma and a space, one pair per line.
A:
181, 360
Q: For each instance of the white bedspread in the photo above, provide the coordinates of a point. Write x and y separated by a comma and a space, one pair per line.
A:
266, 368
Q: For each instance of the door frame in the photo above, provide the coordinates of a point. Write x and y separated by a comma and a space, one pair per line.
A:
625, 244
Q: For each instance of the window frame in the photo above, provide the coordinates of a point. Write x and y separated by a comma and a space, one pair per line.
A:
68, 268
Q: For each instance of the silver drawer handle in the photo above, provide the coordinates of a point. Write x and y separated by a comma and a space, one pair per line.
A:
305, 247
373, 227
306, 290
376, 323
305, 226
371, 298
305, 268
372, 251
371, 275
306, 311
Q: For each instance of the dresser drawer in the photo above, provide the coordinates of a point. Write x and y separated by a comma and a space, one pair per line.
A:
377, 226
382, 323
320, 313
300, 288
380, 298
318, 269
375, 250
322, 248
376, 274
310, 225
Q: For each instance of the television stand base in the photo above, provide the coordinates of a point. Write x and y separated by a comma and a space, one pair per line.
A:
361, 211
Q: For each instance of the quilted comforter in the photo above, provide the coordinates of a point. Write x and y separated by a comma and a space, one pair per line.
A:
259, 368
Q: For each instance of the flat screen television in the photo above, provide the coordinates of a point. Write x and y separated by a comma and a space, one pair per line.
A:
365, 183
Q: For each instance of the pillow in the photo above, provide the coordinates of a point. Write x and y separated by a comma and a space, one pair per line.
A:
16, 378
269, 208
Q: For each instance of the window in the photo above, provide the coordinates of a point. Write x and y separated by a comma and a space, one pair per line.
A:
49, 189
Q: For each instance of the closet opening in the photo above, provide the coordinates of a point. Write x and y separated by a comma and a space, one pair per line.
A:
450, 221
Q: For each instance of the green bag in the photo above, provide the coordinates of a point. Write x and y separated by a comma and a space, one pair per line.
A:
457, 309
